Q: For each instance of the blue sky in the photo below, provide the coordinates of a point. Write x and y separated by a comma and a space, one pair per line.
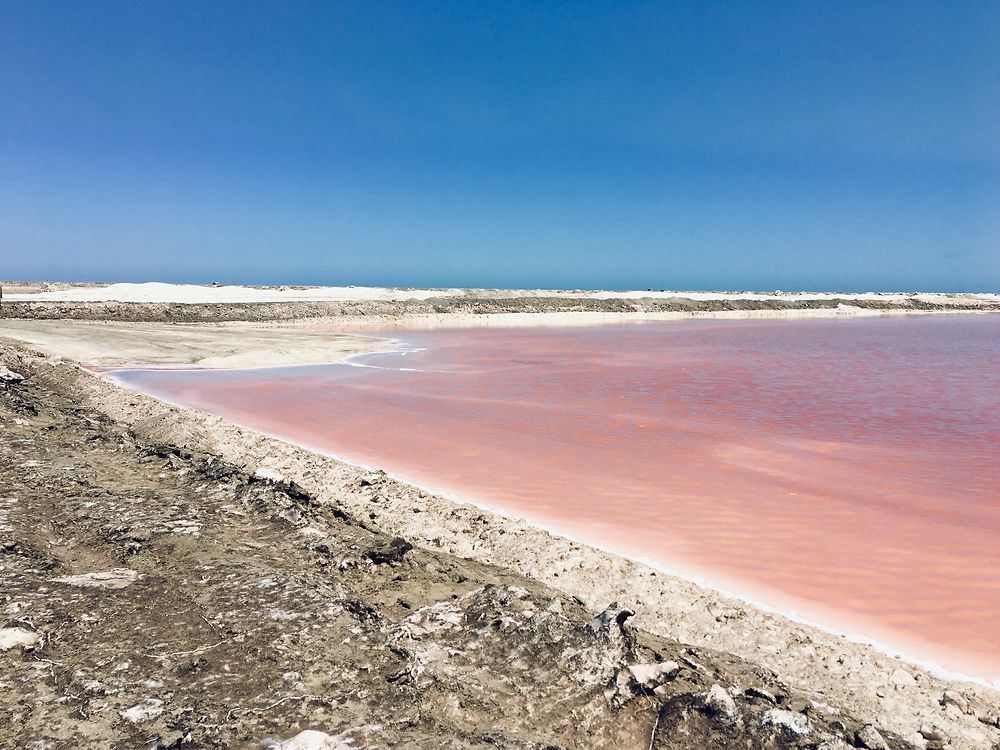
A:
742, 145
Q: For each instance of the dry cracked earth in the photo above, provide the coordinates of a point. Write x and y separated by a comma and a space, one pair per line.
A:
150, 598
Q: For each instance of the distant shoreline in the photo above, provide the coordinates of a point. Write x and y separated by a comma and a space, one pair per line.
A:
216, 294
109, 341
365, 307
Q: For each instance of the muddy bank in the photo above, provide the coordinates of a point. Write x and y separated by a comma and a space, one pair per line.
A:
280, 572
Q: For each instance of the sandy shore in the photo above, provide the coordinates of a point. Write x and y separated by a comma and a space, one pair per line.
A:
206, 294
110, 344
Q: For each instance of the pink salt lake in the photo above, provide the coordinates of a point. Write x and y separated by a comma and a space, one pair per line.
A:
847, 470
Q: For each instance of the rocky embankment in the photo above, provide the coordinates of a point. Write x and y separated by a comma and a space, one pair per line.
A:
154, 596
468, 304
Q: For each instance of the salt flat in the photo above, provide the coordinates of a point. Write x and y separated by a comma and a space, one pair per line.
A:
113, 344
208, 294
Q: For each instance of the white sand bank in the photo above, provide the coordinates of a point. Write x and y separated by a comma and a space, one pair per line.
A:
197, 294
109, 344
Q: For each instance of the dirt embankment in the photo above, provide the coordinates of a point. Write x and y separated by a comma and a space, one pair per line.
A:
156, 595
468, 305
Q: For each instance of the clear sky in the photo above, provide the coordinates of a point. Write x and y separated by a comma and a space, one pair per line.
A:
710, 145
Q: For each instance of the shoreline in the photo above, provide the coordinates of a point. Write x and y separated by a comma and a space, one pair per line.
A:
704, 580
373, 344
267, 344
243, 596
902, 695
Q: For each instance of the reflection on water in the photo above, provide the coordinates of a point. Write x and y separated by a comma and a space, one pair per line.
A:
845, 469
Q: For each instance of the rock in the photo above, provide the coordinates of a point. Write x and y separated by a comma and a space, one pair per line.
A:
372, 478
432, 618
388, 552
268, 475
823, 708
756, 692
118, 578
902, 678
652, 675
718, 701
174, 741
148, 710
9, 376
795, 723
932, 732
956, 699
798, 705
292, 516
312, 739
989, 718
731, 614
870, 738
18, 638
616, 614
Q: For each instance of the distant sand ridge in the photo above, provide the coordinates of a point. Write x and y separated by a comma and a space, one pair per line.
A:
242, 326
202, 294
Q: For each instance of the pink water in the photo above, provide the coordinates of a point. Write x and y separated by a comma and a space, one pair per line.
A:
845, 469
